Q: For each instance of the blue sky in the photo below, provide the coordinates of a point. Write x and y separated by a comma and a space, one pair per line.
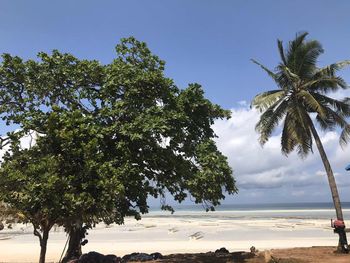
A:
209, 42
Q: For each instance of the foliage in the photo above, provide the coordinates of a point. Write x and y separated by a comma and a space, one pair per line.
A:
9, 216
107, 137
302, 91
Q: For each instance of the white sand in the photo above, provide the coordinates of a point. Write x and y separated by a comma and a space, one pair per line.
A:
167, 234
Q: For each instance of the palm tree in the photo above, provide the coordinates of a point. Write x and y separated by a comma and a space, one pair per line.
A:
300, 101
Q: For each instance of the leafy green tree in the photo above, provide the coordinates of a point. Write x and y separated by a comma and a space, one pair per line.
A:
28, 183
115, 134
53, 181
301, 96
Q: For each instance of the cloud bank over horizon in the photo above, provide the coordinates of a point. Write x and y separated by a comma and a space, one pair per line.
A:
264, 174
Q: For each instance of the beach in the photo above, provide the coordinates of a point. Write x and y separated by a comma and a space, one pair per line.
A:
187, 231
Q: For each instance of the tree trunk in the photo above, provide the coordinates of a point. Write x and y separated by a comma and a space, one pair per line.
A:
76, 233
43, 245
332, 185
330, 175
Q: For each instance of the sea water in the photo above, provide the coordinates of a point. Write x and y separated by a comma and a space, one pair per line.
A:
257, 211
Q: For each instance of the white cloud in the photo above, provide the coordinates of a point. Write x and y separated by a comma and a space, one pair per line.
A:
267, 173
321, 173
298, 193
26, 142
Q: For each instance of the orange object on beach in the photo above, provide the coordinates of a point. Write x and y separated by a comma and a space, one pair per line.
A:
338, 224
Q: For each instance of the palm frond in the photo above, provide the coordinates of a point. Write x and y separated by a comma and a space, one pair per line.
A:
281, 51
338, 119
266, 99
345, 136
283, 81
291, 74
331, 69
341, 107
270, 119
306, 57
311, 103
288, 137
297, 42
288, 75
301, 129
325, 124
269, 72
293, 46
325, 84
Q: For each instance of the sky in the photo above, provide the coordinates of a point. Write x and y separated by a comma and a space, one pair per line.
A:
210, 43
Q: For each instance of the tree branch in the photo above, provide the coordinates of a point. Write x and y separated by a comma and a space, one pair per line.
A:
37, 233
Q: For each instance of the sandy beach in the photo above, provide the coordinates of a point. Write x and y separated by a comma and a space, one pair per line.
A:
183, 232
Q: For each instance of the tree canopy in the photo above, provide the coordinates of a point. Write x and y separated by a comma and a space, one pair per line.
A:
106, 138
302, 90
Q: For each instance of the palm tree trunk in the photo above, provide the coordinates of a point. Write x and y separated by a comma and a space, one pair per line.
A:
330, 175
343, 243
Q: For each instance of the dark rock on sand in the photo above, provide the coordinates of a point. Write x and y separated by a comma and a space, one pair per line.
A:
94, 257
141, 257
156, 255
240, 256
222, 250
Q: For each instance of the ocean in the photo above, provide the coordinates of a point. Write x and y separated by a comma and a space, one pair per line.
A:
262, 211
